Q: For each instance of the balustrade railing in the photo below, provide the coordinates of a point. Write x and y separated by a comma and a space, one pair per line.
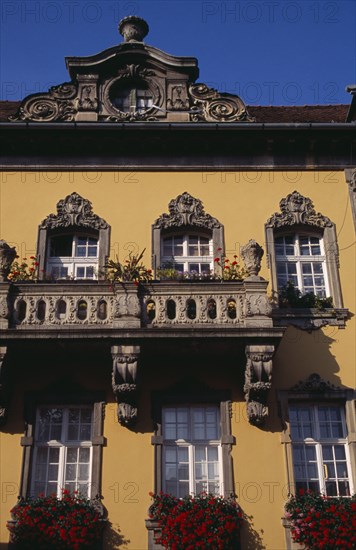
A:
154, 305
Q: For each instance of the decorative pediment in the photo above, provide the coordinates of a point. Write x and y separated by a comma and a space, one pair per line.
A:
76, 211
132, 82
214, 106
187, 211
314, 384
297, 209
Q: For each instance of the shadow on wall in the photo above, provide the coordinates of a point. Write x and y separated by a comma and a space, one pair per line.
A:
250, 538
113, 539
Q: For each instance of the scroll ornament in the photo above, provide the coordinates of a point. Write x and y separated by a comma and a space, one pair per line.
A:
58, 104
214, 106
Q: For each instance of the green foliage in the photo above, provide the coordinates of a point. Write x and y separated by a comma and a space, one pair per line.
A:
132, 270
290, 296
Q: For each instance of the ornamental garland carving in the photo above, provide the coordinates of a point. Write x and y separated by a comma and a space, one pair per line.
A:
74, 210
214, 106
58, 104
186, 210
124, 382
258, 381
297, 209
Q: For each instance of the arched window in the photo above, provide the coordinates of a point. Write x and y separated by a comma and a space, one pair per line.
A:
187, 238
74, 243
302, 248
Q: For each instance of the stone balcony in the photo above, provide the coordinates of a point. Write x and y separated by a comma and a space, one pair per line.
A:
93, 307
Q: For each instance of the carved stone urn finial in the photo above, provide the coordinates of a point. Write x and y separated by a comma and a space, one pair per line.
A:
133, 28
252, 254
7, 256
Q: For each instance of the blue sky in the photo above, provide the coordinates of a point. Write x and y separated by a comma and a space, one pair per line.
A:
271, 52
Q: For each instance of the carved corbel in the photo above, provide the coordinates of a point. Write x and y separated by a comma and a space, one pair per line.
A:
124, 382
127, 309
3, 389
258, 378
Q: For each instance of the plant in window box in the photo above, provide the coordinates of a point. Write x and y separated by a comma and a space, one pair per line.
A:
132, 270
49, 523
228, 270
322, 523
290, 296
23, 271
203, 521
167, 272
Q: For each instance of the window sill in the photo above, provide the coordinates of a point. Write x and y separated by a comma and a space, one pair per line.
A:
310, 318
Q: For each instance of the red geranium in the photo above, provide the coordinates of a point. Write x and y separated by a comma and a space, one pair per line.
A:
49, 523
322, 523
204, 521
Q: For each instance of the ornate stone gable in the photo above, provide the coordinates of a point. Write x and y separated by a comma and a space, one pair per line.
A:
132, 82
188, 211
297, 209
74, 210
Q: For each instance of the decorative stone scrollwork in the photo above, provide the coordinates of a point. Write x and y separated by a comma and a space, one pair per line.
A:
314, 384
296, 209
252, 254
124, 382
186, 210
88, 100
217, 106
74, 210
127, 305
258, 378
56, 104
132, 117
7, 256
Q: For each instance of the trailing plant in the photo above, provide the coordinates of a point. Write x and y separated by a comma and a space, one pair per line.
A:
50, 523
322, 523
228, 270
290, 296
132, 270
23, 270
204, 521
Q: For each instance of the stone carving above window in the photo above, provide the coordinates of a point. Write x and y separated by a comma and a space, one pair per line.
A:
297, 209
186, 210
216, 106
314, 384
74, 210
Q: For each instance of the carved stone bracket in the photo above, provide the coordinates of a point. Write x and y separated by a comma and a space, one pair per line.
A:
186, 210
124, 382
258, 377
74, 210
7, 256
3, 388
252, 254
297, 209
214, 106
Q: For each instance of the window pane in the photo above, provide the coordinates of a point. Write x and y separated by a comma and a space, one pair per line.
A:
61, 245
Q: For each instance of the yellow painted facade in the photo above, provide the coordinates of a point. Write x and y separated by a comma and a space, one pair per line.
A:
130, 202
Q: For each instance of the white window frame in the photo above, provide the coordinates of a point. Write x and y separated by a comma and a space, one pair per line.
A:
318, 443
191, 444
185, 259
299, 259
63, 444
73, 262
137, 100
